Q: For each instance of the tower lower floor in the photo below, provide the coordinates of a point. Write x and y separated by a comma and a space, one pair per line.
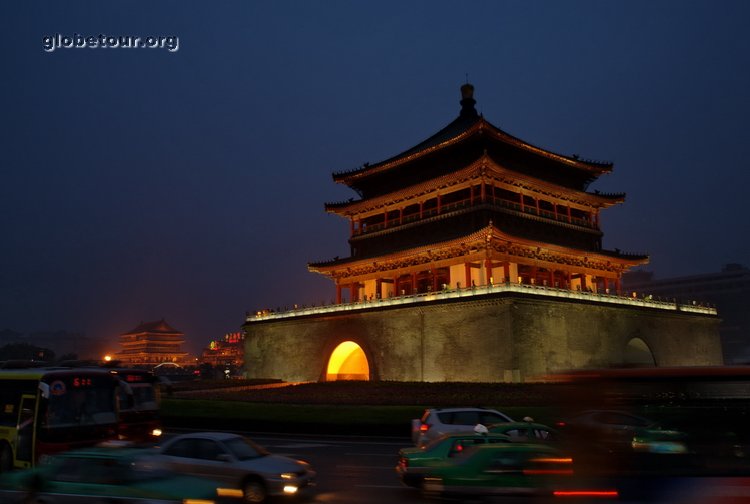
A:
504, 336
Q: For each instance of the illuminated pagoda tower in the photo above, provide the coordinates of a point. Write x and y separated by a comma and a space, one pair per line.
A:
472, 206
476, 256
151, 343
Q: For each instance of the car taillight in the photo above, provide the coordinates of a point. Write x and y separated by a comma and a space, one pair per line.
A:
604, 494
403, 462
560, 424
424, 427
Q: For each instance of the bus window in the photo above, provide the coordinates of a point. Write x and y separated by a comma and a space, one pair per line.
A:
81, 406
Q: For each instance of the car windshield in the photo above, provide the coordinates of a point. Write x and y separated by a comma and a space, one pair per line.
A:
244, 449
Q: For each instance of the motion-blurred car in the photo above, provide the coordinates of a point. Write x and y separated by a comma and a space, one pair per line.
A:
438, 421
621, 432
413, 463
501, 469
106, 474
525, 432
619, 442
238, 463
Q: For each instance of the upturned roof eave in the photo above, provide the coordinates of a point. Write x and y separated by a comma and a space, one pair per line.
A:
481, 124
347, 208
476, 236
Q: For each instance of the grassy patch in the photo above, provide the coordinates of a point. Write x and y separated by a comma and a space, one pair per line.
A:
365, 408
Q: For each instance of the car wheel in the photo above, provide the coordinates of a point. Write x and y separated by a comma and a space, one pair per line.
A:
6, 458
254, 491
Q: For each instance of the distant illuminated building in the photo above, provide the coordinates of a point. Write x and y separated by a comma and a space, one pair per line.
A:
152, 343
229, 351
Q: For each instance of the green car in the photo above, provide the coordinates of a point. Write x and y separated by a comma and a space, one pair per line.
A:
414, 462
122, 475
501, 469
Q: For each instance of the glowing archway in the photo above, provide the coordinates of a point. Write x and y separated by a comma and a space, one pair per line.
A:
348, 362
637, 353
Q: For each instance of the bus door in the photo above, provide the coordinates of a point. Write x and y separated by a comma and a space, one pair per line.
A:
25, 441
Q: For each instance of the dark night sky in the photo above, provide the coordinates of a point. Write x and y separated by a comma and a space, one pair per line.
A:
138, 184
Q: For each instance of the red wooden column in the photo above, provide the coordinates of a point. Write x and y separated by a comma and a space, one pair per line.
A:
617, 286
413, 283
467, 267
439, 203
354, 290
396, 292
534, 272
520, 199
488, 270
551, 278
583, 281
506, 272
385, 219
378, 288
338, 294
434, 280
570, 218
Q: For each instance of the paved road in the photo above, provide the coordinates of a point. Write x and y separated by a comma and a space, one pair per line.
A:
358, 470
350, 470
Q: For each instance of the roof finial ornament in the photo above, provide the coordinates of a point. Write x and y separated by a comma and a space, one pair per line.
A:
467, 100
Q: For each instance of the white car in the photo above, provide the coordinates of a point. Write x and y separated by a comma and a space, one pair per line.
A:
238, 463
438, 421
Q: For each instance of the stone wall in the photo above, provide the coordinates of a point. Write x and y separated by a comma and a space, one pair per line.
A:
498, 338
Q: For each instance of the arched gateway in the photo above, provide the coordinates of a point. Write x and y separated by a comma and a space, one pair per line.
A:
638, 353
348, 362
